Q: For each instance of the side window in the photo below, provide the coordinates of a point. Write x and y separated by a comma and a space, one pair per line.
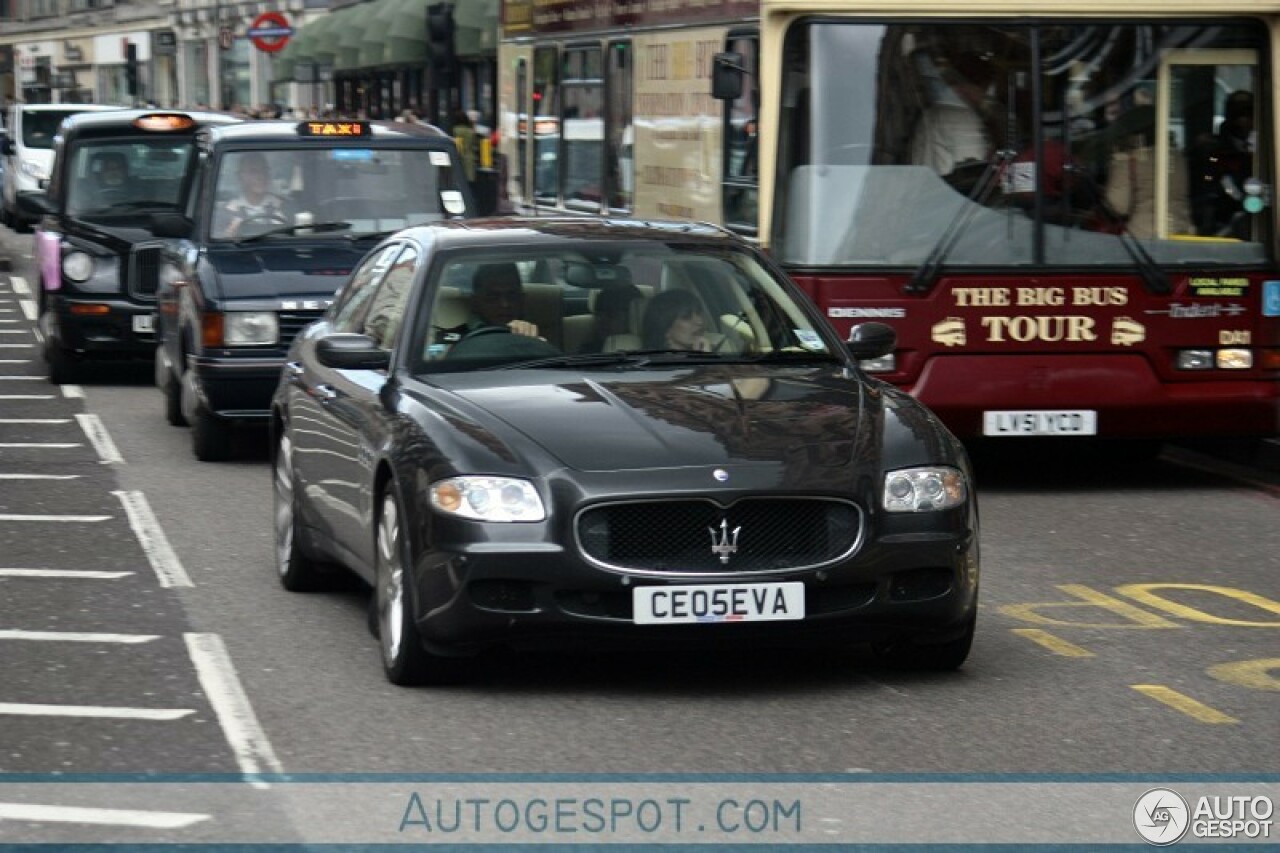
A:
349, 310
386, 309
741, 137
546, 130
583, 125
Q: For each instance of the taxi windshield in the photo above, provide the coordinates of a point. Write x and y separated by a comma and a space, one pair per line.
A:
344, 192
119, 177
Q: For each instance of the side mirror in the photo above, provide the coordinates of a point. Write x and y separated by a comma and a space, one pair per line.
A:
345, 351
871, 340
7, 147
39, 203
171, 225
727, 72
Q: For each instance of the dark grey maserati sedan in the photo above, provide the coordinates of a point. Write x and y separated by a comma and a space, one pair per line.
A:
525, 432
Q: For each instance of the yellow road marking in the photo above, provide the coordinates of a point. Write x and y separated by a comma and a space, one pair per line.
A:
1057, 645
1185, 704
1255, 674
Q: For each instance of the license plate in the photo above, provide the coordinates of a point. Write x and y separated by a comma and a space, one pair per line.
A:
1071, 422
144, 323
745, 602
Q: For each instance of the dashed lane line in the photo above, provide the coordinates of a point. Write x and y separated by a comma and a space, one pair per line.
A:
222, 687
155, 545
72, 392
98, 436
1053, 643
63, 519
86, 574
1181, 702
35, 420
36, 813
75, 637
46, 445
39, 476
106, 712
20, 285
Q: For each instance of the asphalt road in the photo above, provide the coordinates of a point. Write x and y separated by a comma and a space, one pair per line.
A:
1128, 625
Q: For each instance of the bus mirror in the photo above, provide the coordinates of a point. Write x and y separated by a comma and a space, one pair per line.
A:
726, 76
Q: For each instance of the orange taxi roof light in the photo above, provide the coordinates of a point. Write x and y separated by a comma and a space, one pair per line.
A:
164, 122
349, 129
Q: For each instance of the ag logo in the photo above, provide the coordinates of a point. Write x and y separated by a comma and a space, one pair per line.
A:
1161, 816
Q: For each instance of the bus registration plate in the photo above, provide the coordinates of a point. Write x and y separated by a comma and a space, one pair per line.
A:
746, 602
1078, 422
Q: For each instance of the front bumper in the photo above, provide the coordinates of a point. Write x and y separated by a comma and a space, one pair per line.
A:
923, 587
125, 330
236, 387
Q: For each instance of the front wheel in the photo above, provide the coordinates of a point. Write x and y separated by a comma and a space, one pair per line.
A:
210, 436
404, 659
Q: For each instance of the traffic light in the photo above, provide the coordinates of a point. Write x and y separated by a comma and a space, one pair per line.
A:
440, 32
131, 69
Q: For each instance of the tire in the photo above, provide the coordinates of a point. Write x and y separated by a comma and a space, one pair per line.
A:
297, 570
173, 402
404, 659
210, 436
929, 657
62, 365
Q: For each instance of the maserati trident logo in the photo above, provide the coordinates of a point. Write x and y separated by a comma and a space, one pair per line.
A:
725, 544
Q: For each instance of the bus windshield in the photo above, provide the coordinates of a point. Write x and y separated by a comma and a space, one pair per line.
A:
1022, 145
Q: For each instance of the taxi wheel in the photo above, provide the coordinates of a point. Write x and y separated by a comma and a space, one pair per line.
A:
210, 436
298, 571
404, 659
933, 657
63, 367
172, 390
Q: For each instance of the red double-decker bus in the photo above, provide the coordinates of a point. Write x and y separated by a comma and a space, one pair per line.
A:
1064, 207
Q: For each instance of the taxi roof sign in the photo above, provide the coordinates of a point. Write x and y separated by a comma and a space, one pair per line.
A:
164, 122
335, 129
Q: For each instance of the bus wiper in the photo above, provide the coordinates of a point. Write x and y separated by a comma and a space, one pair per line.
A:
299, 228
1153, 278
923, 279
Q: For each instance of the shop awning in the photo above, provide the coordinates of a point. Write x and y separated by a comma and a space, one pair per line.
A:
476, 23
355, 20
305, 47
397, 35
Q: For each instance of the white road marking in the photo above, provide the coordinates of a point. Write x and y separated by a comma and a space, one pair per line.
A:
47, 445
239, 724
70, 519
25, 396
39, 476
20, 285
17, 346
15, 360
100, 817
22, 378
14, 331
29, 308
22, 709
87, 574
160, 554
72, 392
35, 420
93, 427
75, 636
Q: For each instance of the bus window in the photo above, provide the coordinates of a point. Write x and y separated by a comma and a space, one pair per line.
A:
582, 124
546, 131
741, 136
619, 159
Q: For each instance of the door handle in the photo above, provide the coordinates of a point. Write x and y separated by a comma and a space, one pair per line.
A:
325, 393
295, 368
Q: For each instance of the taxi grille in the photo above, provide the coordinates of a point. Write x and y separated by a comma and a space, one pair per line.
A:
679, 536
293, 322
143, 272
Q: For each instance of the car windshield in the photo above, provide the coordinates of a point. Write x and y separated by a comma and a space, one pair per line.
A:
111, 177
373, 190
39, 127
599, 305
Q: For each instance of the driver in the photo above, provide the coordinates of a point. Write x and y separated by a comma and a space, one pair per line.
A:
497, 299
256, 202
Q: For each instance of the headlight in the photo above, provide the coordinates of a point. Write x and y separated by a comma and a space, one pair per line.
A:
924, 489
488, 499
32, 170
77, 266
250, 327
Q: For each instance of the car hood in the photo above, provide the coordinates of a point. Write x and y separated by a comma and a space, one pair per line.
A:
283, 270
690, 417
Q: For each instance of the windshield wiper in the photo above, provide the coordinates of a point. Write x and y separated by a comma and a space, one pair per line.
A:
922, 280
295, 229
1153, 278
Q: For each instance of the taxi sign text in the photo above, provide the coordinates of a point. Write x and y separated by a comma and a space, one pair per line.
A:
334, 128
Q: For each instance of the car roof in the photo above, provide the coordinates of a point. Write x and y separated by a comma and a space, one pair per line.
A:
285, 131
115, 118
41, 108
524, 231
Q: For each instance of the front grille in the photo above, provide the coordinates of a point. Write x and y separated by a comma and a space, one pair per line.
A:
143, 272
679, 536
292, 322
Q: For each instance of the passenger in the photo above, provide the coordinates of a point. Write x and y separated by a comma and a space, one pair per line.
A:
256, 203
675, 320
1222, 164
110, 171
958, 132
497, 299
612, 314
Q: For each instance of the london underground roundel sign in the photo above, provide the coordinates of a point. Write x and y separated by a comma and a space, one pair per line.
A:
270, 32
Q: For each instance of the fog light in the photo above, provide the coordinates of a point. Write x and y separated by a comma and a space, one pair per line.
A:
1235, 359
1194, 359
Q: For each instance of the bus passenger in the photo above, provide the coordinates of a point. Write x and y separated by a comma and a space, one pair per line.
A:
1222, 164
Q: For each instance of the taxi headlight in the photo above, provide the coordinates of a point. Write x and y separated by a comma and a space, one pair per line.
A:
924, 489
488, 499
250, 327
77, 266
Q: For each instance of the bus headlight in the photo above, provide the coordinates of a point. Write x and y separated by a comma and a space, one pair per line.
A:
1235, 359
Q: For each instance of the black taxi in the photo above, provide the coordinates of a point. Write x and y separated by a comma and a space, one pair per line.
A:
115, 175
281, 213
